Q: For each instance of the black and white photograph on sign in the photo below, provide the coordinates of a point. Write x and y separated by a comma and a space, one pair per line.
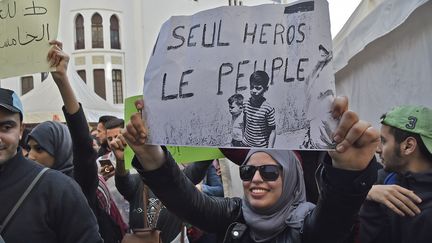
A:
243, 77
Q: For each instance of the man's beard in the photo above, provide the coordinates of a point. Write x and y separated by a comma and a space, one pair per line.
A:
396, 164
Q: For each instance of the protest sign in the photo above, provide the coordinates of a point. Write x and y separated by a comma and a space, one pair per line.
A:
26, 27
180, 154
200, 61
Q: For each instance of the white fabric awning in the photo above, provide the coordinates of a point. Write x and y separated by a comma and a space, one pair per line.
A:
44, 102
371, 20
383, 57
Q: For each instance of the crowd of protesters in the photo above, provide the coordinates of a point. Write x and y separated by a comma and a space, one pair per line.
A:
88, 194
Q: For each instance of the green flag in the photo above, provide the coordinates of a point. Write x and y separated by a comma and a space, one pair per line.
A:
181, 154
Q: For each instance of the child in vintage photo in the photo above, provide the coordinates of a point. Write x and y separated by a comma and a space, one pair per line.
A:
260, 125
235, 103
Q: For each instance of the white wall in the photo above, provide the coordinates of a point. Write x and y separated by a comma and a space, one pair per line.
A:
392, 70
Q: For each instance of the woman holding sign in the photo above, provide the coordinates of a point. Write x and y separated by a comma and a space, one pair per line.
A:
273, 208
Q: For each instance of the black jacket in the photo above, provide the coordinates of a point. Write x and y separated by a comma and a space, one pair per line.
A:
380, 224
342, 193
86, 174
54, 211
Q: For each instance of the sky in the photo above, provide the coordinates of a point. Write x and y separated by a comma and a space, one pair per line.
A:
340, 11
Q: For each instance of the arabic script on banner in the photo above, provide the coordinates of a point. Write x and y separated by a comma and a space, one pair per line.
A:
26, 27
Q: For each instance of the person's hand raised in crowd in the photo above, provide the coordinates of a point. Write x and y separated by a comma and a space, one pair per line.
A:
118, 146
135, 133
400, 200
107, 171
356, 139
59, 60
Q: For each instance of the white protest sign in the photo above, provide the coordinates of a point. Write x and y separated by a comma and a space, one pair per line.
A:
200, 61
26, 27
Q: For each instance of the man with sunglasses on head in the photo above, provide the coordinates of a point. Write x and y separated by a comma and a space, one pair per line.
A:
274, 207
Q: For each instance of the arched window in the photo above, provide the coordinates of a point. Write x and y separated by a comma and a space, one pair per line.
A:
115, 33
79, 32
97, 31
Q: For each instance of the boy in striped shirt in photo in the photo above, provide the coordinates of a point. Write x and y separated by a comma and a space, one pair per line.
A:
259, 115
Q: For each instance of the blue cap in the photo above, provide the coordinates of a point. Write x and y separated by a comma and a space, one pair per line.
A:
10, 101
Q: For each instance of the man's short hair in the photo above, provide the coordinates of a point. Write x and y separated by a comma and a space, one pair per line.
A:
400, 136
259, 78
411, 121
114, 123
105, 119
237, 98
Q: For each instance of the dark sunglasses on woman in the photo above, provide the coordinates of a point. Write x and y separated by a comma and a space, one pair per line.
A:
267, 172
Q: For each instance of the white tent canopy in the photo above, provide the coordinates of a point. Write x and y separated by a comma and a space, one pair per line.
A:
44, 102
383, 56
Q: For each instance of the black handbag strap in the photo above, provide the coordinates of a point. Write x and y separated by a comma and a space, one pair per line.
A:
145, 200
21, 199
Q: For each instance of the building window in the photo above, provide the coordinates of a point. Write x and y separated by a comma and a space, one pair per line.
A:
99, 82
82, 74
26, 84
44, 76
79, 32
117, 86
115, 32
97, 31
235, 2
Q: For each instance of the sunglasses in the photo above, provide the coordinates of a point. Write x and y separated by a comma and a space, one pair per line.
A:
267, 172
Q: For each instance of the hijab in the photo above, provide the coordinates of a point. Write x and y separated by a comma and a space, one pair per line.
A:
289, 210
54, 137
